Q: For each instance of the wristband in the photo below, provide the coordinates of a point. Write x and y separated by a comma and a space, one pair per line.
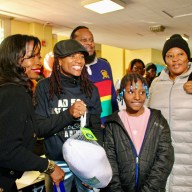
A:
51, 167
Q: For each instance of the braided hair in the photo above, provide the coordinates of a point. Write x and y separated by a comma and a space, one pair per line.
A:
56, 86
132, 77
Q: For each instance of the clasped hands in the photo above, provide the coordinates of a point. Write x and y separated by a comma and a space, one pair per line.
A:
77, 109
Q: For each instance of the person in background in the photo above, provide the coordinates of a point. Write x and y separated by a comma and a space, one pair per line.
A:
138, 142
168, 95
67, 91
151, 70
99, 72
136, 66
19, 62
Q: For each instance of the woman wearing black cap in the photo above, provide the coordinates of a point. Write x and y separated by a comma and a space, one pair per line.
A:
167, 94
69, 92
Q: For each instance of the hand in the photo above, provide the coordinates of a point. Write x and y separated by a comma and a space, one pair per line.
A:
188, 87
57, 175
77, 109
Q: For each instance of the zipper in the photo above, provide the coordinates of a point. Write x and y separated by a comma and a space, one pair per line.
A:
136, 164
137, 171
170, 104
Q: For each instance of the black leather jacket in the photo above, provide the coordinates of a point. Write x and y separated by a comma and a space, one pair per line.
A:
155, 160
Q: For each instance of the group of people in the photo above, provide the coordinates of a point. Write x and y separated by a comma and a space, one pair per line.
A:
148, 143
54, 110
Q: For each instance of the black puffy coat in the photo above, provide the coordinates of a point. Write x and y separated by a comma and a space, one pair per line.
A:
155, 160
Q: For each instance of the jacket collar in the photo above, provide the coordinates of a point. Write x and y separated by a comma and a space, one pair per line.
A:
70, 80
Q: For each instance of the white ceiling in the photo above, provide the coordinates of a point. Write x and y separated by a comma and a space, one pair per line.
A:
128, 28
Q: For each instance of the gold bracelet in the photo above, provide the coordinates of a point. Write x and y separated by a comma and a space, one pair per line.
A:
51, 167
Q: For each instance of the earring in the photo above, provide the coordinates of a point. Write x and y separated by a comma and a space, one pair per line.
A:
58, 67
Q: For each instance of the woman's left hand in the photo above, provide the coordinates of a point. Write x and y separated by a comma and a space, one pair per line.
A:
188, 87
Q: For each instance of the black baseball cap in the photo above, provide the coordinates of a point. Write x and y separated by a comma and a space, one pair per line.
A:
65, 48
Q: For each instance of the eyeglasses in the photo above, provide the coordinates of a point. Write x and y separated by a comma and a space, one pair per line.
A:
138, 68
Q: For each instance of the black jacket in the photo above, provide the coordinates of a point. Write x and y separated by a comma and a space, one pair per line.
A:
17, 128
53, 117
155, 159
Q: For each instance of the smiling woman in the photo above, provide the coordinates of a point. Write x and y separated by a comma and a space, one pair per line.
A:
31, 62
72, 65
32, 65
167, 94
18, 133
68, 91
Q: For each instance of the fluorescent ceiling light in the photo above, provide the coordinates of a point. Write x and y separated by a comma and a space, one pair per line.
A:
103, 6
